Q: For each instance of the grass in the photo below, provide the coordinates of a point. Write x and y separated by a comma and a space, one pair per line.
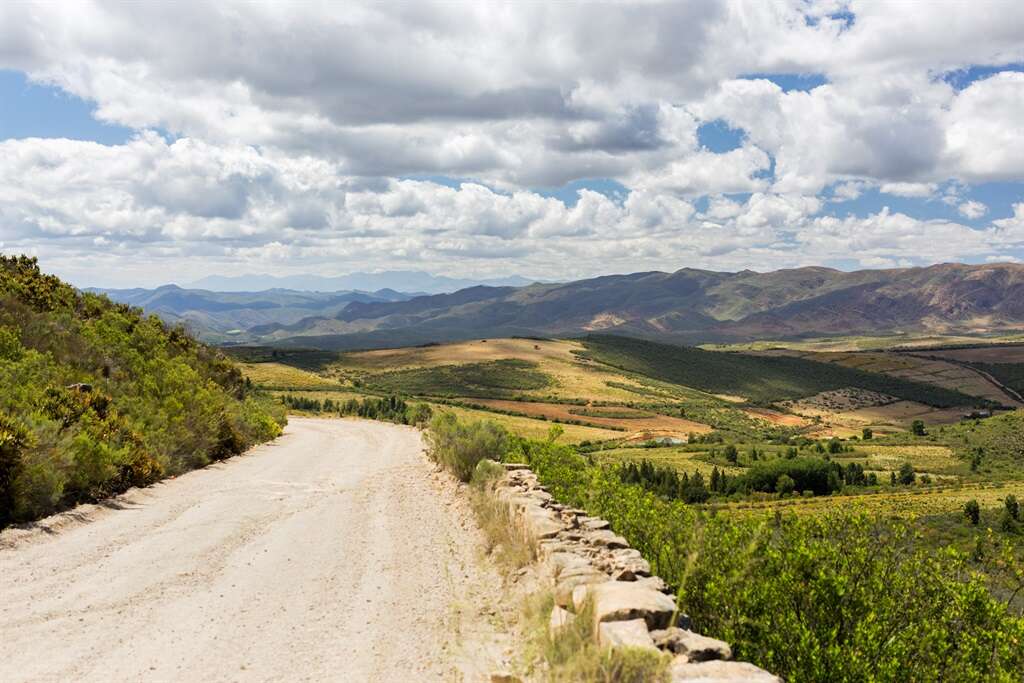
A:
272, 375
499, 378
762, 379
571, 654
511, 550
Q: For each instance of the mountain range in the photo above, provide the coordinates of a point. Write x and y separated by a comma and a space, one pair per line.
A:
229, 316
399, 280
692, 306
687, 306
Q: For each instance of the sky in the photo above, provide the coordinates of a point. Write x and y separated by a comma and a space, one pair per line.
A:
142, 144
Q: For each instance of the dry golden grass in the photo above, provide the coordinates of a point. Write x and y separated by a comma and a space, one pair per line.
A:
661, 423
915, 501
572, 376
280, 375
534, 429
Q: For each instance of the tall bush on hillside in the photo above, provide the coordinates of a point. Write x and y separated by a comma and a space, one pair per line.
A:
107, 397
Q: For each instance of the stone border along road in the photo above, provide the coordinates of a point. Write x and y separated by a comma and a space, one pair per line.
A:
336, 553
632, 608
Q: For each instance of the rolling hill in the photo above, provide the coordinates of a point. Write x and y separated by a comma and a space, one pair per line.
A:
690, 306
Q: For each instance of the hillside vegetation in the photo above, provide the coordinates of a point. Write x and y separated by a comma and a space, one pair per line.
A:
759, 378
98, 397
842, 596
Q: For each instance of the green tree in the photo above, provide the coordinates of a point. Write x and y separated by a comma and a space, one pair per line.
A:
973, 511
784, 485
907, 474
917, 428
731, 453
1012, 507
867, 434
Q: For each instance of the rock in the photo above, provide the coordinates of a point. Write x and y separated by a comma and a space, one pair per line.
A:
561, 555
513, 466
505, 677
569, 580
623, 601
607, 539
653, 582
541, 524
632, 633
560, 618
593, 523
718, 672
696, 647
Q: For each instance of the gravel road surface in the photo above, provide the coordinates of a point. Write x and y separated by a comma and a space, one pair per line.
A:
335, 553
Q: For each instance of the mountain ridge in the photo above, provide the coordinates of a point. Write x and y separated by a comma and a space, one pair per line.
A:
693, 306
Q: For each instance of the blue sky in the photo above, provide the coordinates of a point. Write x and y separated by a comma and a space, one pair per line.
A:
771, 135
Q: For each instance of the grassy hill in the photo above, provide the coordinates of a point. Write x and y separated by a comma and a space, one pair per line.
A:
98, 397
761, 379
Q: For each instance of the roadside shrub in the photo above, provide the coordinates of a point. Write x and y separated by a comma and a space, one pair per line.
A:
459, 446
839, 597
105, 397
13, 438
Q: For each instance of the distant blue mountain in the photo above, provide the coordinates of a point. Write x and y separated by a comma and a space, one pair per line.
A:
408, 281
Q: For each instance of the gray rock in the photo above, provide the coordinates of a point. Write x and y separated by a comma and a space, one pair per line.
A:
696, 647
624, 601
560, 618
632, 633
606, 539
570, 580
593, 523
718, 672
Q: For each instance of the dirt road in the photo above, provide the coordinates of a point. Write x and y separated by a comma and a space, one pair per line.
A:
334, 553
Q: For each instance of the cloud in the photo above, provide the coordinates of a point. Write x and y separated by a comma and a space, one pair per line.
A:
288, 132
972, 209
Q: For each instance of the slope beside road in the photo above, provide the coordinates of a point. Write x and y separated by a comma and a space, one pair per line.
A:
334, 553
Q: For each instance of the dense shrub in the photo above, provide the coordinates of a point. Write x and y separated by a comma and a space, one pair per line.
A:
99, 397
459, 446
807, 474
839, 597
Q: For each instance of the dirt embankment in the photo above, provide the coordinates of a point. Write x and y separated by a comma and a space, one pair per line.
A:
335, 553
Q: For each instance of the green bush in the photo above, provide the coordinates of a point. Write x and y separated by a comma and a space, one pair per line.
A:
807, 474
840, 597
460, 446
105, 398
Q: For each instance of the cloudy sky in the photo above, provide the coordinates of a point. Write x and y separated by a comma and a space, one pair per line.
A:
143, 144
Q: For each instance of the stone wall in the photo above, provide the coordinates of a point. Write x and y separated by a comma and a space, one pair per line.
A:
631, 608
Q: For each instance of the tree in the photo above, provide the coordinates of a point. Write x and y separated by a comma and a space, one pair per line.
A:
917, 428
1012, 507
867, 434
835, 445
731, 454
907, 474
784, 485
973, 511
